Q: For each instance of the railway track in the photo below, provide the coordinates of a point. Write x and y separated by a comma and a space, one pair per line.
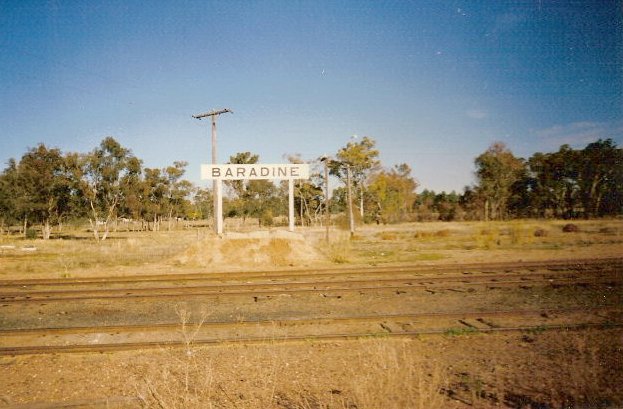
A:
31, 325
551, 266
301, 282
131, 337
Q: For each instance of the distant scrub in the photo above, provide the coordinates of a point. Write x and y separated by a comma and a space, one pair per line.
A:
540, 233
570, 228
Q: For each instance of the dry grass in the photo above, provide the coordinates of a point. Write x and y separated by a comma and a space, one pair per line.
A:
392, 375
432, 235
185, 250
385, 374
585, 373
278, 251
338, 250
186, 381
380, 373
67, 256
391, 236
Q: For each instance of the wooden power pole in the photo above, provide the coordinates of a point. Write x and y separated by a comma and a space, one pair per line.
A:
217, 185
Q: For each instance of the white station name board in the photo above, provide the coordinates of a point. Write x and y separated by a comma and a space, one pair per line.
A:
255, 171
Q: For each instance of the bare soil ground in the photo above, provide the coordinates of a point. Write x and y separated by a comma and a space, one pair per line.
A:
460, 368
580, 369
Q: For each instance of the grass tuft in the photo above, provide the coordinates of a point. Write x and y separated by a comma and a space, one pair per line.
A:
338, 251
380, 373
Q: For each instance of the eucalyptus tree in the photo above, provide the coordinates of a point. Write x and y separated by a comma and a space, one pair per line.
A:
262, 200
552, 184
309, 198
153, 196
133, 191
571, 182
242, 204
11, 199
599, 168
447, 206
177, 190
44, 185
101, 176
202, 204
497, 169
308, 194
393, 194
611, 203
425, 206
360, 159
36, 189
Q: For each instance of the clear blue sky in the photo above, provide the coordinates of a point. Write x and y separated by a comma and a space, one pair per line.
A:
434, 82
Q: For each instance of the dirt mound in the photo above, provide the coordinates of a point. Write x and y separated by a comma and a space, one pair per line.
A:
256, 249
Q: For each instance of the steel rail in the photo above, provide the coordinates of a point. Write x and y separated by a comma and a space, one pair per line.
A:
23, 288
101, 348
492, 281
307, 320
552, 265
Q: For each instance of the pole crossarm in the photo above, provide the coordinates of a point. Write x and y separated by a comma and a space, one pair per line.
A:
216, 184
213, 113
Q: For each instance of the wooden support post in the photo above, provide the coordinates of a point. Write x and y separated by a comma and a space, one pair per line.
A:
218, 217
216, 185
291, 204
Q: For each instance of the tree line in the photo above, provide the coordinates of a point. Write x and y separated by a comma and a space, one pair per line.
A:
47, 187
567, 184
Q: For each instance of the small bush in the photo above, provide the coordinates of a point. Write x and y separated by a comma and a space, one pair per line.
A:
570, 228
540, 233
31, 234
338, 250
488, 239
266, 219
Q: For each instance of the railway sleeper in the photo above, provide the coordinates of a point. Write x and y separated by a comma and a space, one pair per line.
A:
469, 325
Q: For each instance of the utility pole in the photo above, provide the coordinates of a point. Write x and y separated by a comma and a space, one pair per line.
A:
217, 185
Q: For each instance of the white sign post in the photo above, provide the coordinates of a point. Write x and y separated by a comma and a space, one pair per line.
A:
289, 172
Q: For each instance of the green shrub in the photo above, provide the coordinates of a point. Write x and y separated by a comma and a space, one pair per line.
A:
31, 234
266, 219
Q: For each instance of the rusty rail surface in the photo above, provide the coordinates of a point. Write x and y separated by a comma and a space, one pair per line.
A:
564, 275
384, 282
124, 337
550, 266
